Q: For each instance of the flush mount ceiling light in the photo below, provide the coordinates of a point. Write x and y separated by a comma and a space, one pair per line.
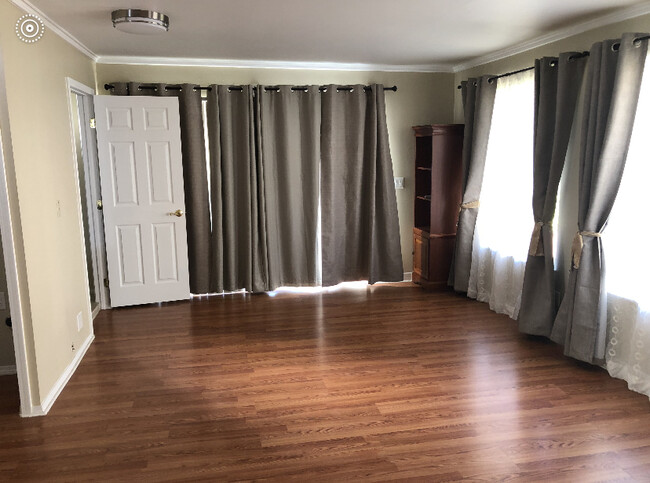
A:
136, 21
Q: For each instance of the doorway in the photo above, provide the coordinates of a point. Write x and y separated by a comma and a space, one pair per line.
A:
15, 379
9, 395
85, 153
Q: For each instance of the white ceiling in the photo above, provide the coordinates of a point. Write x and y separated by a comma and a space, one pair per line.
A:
424, 34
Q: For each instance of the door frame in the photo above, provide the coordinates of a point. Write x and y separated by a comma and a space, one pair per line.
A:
27, 407
92, 185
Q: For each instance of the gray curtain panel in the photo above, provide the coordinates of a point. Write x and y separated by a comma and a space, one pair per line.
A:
360, 226
478, 102
614, 74
194, 175
290, 151
239, 243
557, 84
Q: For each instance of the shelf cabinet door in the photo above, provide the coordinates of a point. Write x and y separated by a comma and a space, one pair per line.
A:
441, 252
421, 256
446, 181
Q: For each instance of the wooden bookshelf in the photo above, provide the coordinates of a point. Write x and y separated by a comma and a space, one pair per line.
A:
438, 181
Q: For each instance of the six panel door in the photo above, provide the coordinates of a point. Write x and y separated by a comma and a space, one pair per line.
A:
139, 147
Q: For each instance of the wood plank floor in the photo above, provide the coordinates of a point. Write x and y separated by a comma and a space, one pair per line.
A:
388, 383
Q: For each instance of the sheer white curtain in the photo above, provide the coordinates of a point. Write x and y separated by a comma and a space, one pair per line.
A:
505, 216
628, 259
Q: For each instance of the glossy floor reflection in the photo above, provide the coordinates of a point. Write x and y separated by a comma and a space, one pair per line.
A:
384, 383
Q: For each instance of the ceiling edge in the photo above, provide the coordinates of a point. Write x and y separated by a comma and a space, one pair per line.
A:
54, 27
273, 64
618, 16
26, 6
614, 17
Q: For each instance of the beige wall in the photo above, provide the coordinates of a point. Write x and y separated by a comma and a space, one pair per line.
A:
420, 99
53, 264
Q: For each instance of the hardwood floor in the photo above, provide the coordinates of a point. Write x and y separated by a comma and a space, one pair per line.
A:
387, 383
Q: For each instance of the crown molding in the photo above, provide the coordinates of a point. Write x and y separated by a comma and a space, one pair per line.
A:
272, 64
54, 27
618, 16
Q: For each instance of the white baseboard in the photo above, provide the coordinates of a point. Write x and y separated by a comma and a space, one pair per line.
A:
48, 401
7, 370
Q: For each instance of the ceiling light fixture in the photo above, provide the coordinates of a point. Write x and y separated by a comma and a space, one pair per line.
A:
136, 21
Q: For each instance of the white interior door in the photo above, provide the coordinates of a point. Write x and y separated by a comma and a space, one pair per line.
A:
139, 147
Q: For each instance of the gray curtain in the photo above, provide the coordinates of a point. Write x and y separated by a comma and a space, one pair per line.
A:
557, 84
613, 83
239, 243
478, 103
194, 175
290, 152
360, 227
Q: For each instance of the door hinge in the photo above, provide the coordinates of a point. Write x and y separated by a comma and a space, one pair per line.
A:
106, 282
93, 124
100, 205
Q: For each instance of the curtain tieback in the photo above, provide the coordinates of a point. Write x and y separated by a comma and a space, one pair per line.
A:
470, 204
536, 248
578, 243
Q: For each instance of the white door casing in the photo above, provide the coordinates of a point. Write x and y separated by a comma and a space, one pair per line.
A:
92, 187
139, 147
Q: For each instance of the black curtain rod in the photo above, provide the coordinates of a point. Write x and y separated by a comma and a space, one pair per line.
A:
575, 56
176, 87
507, 74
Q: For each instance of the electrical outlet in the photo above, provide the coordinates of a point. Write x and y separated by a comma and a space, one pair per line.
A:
80, 322
3, 301
399, 183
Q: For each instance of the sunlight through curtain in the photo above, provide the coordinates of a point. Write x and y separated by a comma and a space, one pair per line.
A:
612, 87
503, 226
628, 260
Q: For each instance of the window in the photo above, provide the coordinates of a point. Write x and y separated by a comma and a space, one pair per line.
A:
627, 233
505, 220
627, 261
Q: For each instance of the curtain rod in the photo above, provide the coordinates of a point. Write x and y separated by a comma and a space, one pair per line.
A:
177, 87
575, 56
525, 69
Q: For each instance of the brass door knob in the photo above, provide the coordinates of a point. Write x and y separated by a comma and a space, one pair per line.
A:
178, 213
